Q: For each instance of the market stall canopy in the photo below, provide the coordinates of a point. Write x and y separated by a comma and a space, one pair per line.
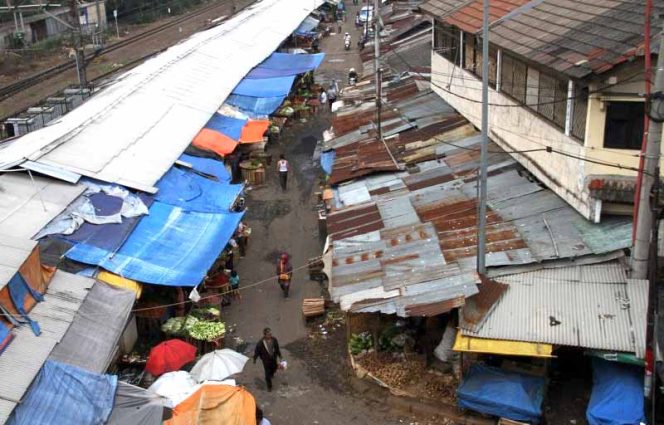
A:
617, 395
283, 64
63, 394
211, 140
28, 204
229, 126
193, 192
221, 404
256, 106
218, 365
265, 87
169, 356
253, 131
160, 105
91, 340
170, 246
493, 391
136, 406
121, 282
174, 386
310, 23
207, 166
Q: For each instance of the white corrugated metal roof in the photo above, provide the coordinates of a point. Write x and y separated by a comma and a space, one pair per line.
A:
27, 205
23, 358
590, 306
133, 131
13, 252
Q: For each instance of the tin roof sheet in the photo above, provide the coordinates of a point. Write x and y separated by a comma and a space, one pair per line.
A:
13, 253
160, 105
582, 306
23, 358
28, 204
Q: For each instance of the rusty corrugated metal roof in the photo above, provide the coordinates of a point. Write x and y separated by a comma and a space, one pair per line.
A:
354, 221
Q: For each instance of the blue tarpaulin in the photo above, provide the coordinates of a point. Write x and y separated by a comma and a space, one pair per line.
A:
256, 106
265, 87
104, 238
208, 166
170, 246
307, 25
327, 161
617, 396
282, 64
63, 394
193, 192
494, 391
231, 127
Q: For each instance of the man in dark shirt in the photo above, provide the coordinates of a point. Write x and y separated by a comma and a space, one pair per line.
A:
268, 350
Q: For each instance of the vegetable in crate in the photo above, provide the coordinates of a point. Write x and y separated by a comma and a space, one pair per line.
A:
360, 343
173, 326
207, 331
189, 322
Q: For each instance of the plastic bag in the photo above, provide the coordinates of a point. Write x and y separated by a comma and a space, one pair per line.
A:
194, 295
283, 365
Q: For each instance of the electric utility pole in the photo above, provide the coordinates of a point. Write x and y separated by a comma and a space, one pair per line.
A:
481, 210
645, 217
379, 82
78, 43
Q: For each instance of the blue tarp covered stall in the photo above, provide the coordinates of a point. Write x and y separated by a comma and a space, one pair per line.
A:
256, 106
193, 192
307, 26
170, 246
63, 394
327, 161
265, 87
617, 396
231, 127
283, 64
497, 392
208, 166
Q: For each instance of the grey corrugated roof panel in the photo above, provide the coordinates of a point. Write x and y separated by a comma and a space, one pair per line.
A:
6, 409
637, 291
23, 358
28, 204
565, 306
397, 212
13, 253
347, 139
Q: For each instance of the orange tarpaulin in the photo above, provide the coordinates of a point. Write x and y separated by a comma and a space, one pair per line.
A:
214, 141
216, 404
253, 131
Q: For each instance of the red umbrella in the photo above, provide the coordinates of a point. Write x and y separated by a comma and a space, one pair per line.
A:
169, 356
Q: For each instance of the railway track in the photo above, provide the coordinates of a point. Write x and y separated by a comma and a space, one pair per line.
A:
11, 89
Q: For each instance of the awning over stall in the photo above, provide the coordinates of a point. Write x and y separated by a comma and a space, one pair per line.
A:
136, 406
207, 166
231, 127
283, 64
211, 140
256, 106
213, 403
309, 24
470, 344
121, 282
170, 246
254, 130
63, 394
497, 392
265, 87
193, 192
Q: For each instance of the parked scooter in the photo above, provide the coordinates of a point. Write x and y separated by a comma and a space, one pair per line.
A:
347, 41
352, 77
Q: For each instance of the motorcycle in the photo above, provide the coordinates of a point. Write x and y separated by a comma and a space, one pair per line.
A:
346, 44
352, 81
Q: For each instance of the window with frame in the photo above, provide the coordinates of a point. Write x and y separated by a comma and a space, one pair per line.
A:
446, 41
514, 75
623, 128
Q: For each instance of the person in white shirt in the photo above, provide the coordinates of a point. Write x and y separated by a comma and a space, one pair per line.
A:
260, 420
323, 99
282, 167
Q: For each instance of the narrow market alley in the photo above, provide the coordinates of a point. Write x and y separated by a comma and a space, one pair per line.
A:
314, 389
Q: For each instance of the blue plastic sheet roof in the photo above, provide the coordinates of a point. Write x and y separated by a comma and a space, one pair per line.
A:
193, 192
256, 106
170, 246
265, 87
307, 25
494, 391
231, 127
208, 166
327, 161
617, 396
63, 394
283, 64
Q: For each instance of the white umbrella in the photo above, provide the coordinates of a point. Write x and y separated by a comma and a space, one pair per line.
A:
174, 386
218, 365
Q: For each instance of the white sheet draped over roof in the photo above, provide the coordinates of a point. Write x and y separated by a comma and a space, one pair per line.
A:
133, 131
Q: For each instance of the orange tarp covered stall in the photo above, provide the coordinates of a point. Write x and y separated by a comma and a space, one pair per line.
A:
214, 141
216, 404
253, 131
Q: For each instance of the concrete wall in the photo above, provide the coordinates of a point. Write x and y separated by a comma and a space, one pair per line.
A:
516, 128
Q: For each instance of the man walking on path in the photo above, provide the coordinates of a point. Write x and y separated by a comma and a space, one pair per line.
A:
268, 350
282, 166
